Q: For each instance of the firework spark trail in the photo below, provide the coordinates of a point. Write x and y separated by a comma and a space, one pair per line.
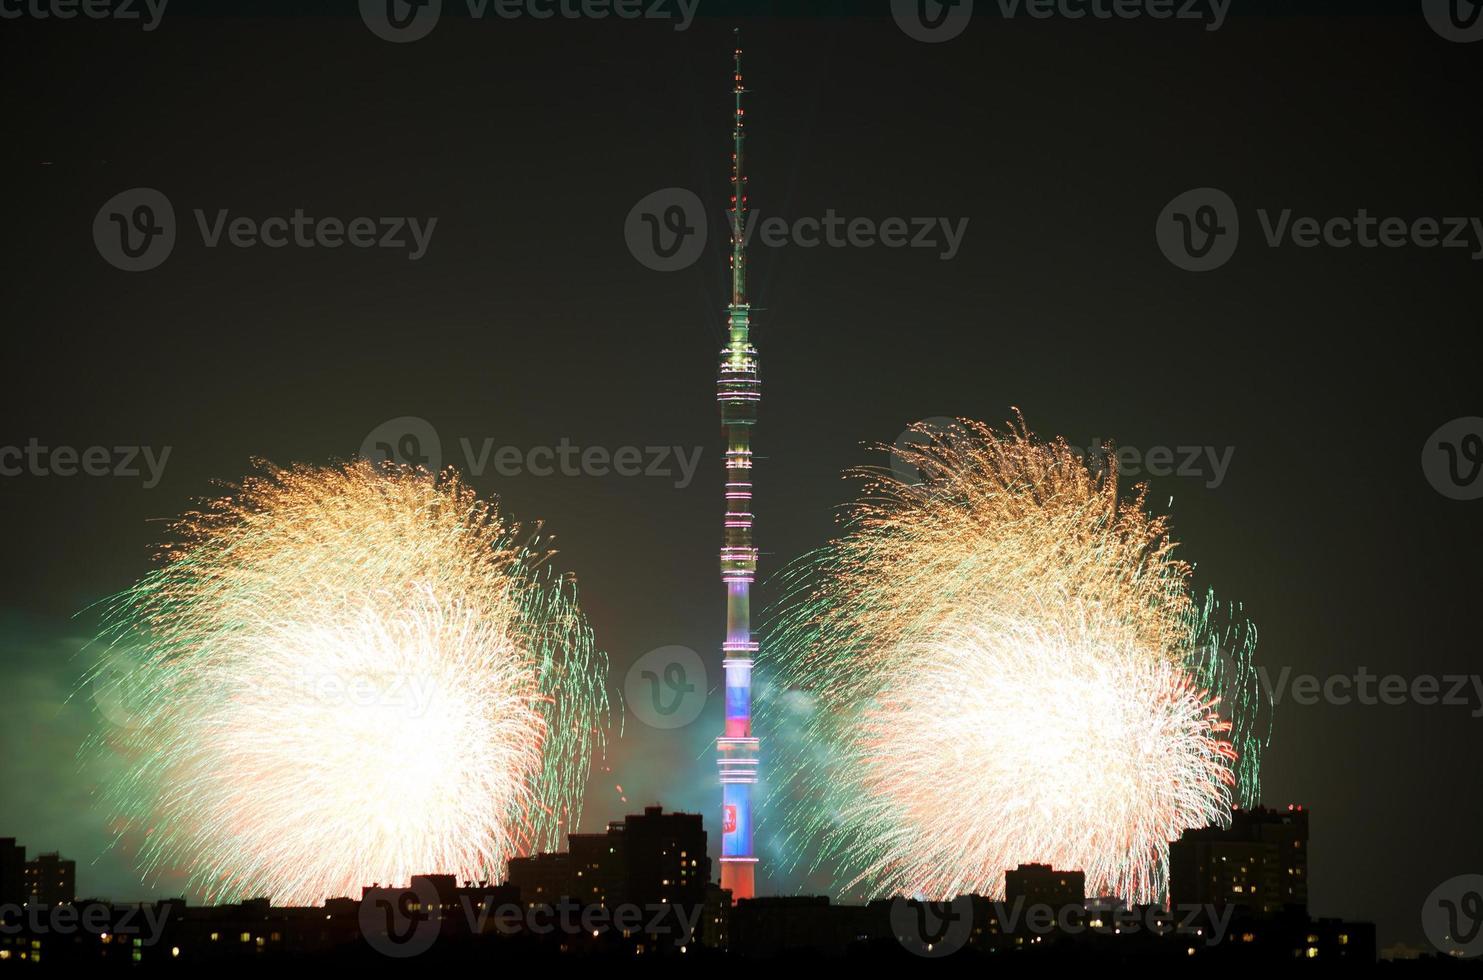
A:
998, 665
345, 676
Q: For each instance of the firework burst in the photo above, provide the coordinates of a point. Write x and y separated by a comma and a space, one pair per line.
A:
999, 664
344, 676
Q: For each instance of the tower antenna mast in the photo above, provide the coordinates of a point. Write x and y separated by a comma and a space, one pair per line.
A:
738, 392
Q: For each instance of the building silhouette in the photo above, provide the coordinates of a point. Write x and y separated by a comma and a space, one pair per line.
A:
653, 861
650, 877
1040, 884
1258, 864
665, 857
13, 889
644, 859
598, 866
51, 880
541, 878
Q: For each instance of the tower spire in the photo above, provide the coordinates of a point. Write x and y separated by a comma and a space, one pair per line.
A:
738, 179
738, 392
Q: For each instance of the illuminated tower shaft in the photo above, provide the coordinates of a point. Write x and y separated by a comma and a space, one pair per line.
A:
738, 392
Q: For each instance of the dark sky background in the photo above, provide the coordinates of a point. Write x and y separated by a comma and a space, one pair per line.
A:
529, 321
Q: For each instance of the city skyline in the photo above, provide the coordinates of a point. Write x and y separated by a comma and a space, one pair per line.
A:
646, 879
515, 327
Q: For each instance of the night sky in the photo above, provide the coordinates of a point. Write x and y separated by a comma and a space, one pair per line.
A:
528, 321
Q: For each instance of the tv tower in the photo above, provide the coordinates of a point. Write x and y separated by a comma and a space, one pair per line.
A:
738, 391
